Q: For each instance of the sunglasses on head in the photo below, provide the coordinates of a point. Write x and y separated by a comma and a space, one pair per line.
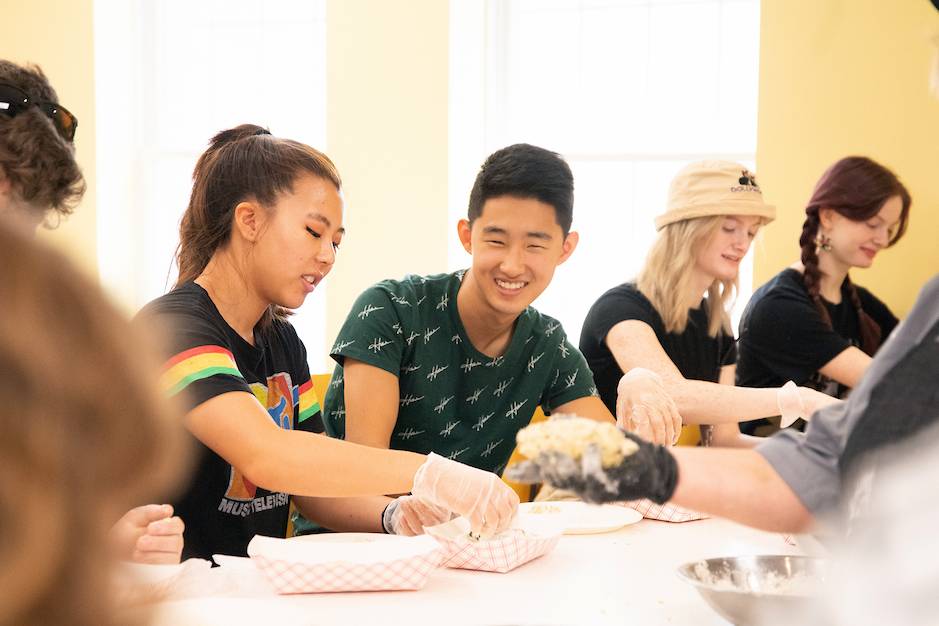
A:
14, 101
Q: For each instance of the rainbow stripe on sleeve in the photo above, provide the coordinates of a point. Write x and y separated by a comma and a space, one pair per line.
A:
195, 364
309, 403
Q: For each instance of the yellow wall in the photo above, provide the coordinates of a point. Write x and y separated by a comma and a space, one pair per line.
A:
840, 77
58, 36
387, 82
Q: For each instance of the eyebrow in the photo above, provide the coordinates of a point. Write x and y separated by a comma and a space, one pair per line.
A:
498, 230
319, 217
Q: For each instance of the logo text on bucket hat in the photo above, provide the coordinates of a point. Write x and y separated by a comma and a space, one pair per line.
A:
747, 183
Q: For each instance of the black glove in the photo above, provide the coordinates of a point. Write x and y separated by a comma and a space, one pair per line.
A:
650, 472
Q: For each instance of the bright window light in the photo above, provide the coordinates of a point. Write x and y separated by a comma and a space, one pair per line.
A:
628, 91
170, 74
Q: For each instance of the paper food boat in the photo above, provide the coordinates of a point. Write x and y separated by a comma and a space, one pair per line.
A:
345, 562
502, 553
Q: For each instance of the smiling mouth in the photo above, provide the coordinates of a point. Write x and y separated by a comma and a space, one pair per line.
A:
732, 259
312, 279
510, 285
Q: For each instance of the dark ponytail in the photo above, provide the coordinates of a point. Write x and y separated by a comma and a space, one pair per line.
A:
241, 163
857, 188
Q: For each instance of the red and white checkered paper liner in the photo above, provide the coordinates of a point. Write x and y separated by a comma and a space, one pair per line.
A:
406, 573
501, 554
664, 512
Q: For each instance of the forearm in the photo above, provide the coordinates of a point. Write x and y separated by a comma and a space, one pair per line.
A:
701, 402
739, 485
729, 436
306, 464
345, 514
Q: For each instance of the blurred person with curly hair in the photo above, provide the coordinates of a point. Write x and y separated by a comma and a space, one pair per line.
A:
41, 183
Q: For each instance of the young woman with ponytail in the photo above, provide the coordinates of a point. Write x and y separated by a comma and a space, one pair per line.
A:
262, 229
810, 323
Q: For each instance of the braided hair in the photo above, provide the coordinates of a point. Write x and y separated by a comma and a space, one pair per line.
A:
857, 188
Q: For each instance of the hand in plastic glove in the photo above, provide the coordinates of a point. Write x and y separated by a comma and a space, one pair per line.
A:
408, 515
813, 400
488, 503
790, 404
795, 402
650, 472
149, 534
645, 408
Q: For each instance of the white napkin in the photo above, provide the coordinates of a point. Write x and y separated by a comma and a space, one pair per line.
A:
141, 582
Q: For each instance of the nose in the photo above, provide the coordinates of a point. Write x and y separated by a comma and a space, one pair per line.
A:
513, 263
742, 240
882, 236
326, 254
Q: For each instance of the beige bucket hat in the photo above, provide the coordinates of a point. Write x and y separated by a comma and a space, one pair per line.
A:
714, 187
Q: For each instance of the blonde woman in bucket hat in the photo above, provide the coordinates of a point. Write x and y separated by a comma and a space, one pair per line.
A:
670, 328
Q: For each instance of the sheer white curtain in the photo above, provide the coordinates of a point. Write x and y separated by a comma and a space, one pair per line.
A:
170, 74
628, 91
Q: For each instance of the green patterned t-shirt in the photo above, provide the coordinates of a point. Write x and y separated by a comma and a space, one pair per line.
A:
454, 400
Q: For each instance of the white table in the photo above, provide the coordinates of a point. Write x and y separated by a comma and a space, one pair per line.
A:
624, 577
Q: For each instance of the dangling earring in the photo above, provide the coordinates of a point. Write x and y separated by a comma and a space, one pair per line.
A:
822, 242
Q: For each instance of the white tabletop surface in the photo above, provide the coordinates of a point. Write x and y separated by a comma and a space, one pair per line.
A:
623, 577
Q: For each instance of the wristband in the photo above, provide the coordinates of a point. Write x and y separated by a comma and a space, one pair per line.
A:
386, 516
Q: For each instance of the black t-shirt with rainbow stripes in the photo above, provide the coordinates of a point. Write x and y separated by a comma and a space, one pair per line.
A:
221, 508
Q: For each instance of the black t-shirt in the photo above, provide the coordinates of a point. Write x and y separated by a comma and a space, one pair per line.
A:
782, 336
221, 508
697, 355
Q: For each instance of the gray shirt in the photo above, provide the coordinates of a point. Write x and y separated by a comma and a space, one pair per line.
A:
809, 462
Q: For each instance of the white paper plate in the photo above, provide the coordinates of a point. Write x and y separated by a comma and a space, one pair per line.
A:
580, 518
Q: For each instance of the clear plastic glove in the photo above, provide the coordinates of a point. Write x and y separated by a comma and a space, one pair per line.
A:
408, 515
814, 400
790, 404
487, 502
149, 534
645, 408
795, 402
650, 472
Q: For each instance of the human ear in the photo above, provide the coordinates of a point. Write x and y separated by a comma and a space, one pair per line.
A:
567, 248
826, 218
248, 221
464, 231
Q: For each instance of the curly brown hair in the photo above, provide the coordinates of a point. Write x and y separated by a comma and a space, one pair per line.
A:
37, 161
857, 188
86, 435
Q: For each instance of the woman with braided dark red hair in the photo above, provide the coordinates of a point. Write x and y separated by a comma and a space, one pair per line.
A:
810, 323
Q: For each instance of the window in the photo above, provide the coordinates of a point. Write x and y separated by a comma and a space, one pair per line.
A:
171, 74
628, 91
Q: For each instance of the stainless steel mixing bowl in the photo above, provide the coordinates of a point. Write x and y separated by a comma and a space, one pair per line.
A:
747, 589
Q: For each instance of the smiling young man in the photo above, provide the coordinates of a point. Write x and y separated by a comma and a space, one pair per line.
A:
457, 363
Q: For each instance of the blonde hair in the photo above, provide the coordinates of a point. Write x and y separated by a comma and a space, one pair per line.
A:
86, 436
666, 277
